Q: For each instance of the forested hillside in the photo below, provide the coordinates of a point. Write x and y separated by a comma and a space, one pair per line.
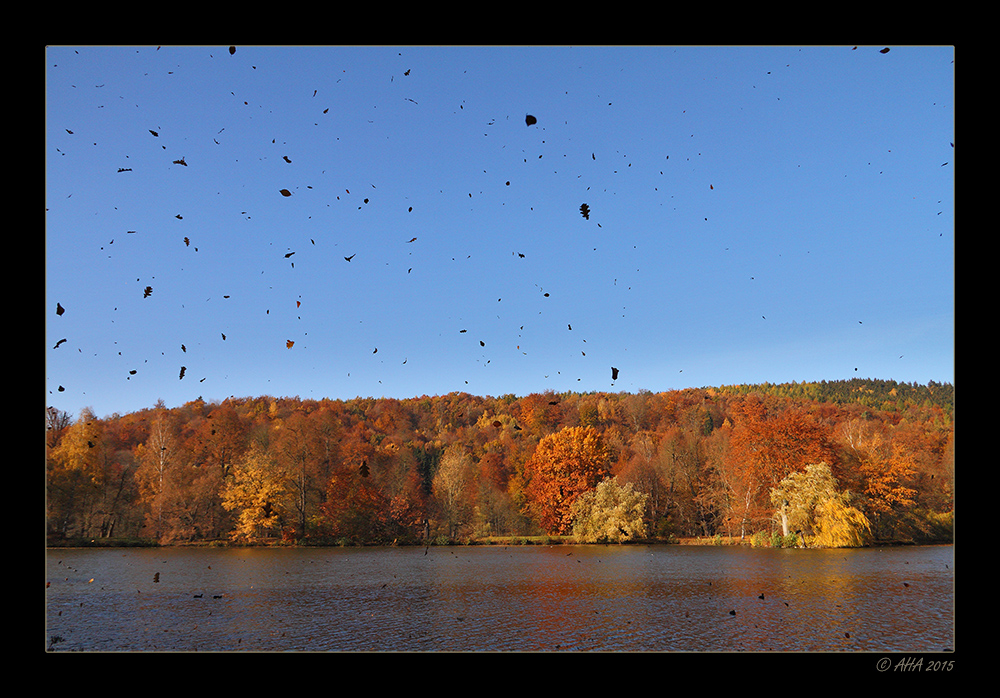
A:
458, 467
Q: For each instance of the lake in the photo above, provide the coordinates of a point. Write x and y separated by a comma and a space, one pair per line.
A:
634, 598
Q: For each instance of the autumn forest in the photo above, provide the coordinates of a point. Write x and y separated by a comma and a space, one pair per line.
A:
714, 464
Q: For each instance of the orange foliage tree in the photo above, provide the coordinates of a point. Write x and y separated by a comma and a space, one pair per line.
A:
882, 468
564, 465
766, 446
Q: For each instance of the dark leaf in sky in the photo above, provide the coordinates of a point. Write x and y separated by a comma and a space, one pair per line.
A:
232, 50
482, 343
58, 343
187, 242
885, 50
223, 336
285, 192
289, 255
285, 157
614, 373
289, 344
184, 349
154, 133
411, 240
180, 162
183, 369
585, 211
147, 291
59, 309
529, 120
376, 351
350, 258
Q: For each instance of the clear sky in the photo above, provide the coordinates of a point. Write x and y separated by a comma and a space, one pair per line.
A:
756, 214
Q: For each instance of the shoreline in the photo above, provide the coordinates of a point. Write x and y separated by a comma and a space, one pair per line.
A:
494, 541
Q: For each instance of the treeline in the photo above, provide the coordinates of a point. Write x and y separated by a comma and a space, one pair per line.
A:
453, 467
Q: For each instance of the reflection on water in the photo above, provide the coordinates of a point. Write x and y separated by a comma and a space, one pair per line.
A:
521, 598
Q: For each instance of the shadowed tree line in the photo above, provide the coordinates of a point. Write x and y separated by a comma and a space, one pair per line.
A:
730, 461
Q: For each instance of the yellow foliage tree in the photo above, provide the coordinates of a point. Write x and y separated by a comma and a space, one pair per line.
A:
609, 513
839, 525
811, 502
257, 494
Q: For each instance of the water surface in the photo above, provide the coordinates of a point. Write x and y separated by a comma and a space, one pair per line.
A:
520, 598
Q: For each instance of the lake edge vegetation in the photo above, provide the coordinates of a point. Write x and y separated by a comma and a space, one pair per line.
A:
824, 464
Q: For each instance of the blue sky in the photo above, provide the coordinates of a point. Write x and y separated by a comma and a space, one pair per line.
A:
757, 214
